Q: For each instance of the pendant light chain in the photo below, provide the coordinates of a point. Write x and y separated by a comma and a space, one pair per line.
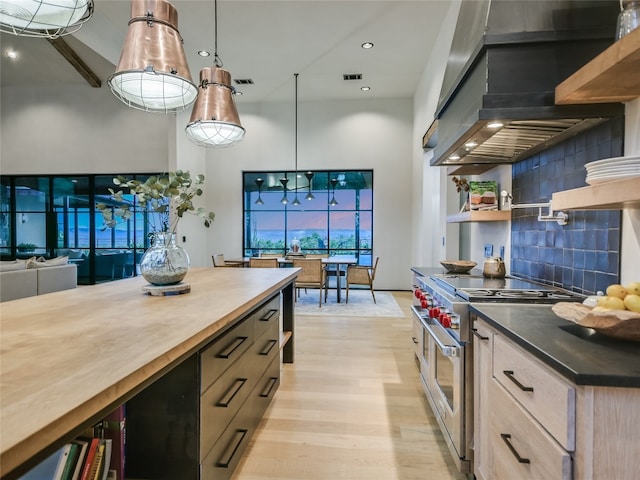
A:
216, 59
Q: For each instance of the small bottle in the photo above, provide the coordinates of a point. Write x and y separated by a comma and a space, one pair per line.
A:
629, 17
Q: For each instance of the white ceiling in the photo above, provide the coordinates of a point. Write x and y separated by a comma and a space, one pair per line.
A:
264, 40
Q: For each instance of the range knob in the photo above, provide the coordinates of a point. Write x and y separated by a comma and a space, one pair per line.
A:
445, 320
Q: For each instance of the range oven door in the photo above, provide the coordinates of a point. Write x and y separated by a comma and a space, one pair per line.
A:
446, 384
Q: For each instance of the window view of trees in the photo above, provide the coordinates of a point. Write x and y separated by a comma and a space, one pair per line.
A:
328, 212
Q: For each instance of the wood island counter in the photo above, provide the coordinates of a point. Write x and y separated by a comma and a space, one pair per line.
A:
69, 358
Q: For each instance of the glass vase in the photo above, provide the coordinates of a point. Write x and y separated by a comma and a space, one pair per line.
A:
165, 262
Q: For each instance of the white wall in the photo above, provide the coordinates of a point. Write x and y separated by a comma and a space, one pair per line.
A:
331, 135
71, 130
77, 129
433, 238
630, 251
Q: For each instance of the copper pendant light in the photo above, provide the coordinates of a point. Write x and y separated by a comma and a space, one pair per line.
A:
44, 18
152, 74
214, 120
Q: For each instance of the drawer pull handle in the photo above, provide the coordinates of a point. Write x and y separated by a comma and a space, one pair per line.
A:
267, 391
507, 439
476, 334
269, 347
232, 392
268, 315
232, 347
509, 374
232, 449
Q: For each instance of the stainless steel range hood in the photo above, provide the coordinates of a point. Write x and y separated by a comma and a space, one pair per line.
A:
497, 104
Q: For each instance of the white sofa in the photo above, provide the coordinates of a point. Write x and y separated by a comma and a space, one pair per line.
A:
18, 281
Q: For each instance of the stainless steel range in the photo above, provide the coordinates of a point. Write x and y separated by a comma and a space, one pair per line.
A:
444, 344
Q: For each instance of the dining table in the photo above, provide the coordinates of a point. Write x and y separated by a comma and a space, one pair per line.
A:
340, 261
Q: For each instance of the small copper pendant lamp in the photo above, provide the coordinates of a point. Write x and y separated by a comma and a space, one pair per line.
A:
152, 74
214, 120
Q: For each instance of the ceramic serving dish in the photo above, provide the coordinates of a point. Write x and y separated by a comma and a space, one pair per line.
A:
458, 266
621, 324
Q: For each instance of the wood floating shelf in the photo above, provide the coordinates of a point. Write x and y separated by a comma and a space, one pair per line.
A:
480, 216
606, 196
613, 76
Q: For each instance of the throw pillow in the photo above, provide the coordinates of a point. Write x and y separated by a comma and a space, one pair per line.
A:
41, 262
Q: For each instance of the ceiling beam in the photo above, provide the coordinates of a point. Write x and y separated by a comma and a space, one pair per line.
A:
76, 62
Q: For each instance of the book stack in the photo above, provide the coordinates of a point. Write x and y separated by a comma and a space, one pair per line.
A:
98, 454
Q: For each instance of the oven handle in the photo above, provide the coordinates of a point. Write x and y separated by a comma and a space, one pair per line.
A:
447, 350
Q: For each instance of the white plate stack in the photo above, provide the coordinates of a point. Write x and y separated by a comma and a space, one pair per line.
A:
611, 169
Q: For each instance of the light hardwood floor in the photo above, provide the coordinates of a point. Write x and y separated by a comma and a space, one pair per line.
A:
350, 407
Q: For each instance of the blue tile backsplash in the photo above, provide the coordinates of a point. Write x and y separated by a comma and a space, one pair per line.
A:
583, 256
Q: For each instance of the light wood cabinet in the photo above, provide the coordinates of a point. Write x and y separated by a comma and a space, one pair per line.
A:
482, 374
532, 423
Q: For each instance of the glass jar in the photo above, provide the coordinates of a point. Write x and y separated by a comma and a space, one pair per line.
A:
165, 262
629, 17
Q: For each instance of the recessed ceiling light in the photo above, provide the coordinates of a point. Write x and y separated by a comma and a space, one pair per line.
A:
12, 54
367, 45
471, 144
455, 156
365, 89
238, 92
203, 53
495, 125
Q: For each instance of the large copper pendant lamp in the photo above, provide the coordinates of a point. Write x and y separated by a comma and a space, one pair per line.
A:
152, 74
44, 18
214, 120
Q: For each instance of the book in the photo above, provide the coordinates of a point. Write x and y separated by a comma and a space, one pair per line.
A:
62, 461
82, 445
89, 458
98, 460
483, 195
70, 464
106, 462
115, 429
46, 469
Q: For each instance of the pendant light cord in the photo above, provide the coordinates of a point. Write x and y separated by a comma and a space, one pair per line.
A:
296, 136
216, 59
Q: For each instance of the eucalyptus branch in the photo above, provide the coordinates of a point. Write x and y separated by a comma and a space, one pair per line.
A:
169, 196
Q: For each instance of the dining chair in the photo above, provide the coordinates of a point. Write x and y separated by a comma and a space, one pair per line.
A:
312, 275
219, 261
361, 275
257, 262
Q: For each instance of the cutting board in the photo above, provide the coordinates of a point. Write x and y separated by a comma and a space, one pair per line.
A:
622, 324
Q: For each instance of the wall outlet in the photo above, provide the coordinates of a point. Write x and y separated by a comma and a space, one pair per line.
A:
488, 250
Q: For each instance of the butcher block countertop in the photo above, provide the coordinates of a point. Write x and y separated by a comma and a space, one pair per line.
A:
70, 357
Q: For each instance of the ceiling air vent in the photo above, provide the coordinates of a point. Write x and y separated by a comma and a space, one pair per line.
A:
352, 76
243, 81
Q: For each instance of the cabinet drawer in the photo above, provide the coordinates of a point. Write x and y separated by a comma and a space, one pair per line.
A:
222, 401
264, 350
224, 351
223, 458
548, 398
522, 448
267, 316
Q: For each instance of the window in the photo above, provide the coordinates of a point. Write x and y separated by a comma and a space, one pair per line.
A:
55, 215
334, 215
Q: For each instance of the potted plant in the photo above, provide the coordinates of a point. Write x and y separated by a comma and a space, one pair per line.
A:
26, 247
462, 186
169, 197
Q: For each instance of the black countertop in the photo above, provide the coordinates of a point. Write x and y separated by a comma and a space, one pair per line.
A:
577, 353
